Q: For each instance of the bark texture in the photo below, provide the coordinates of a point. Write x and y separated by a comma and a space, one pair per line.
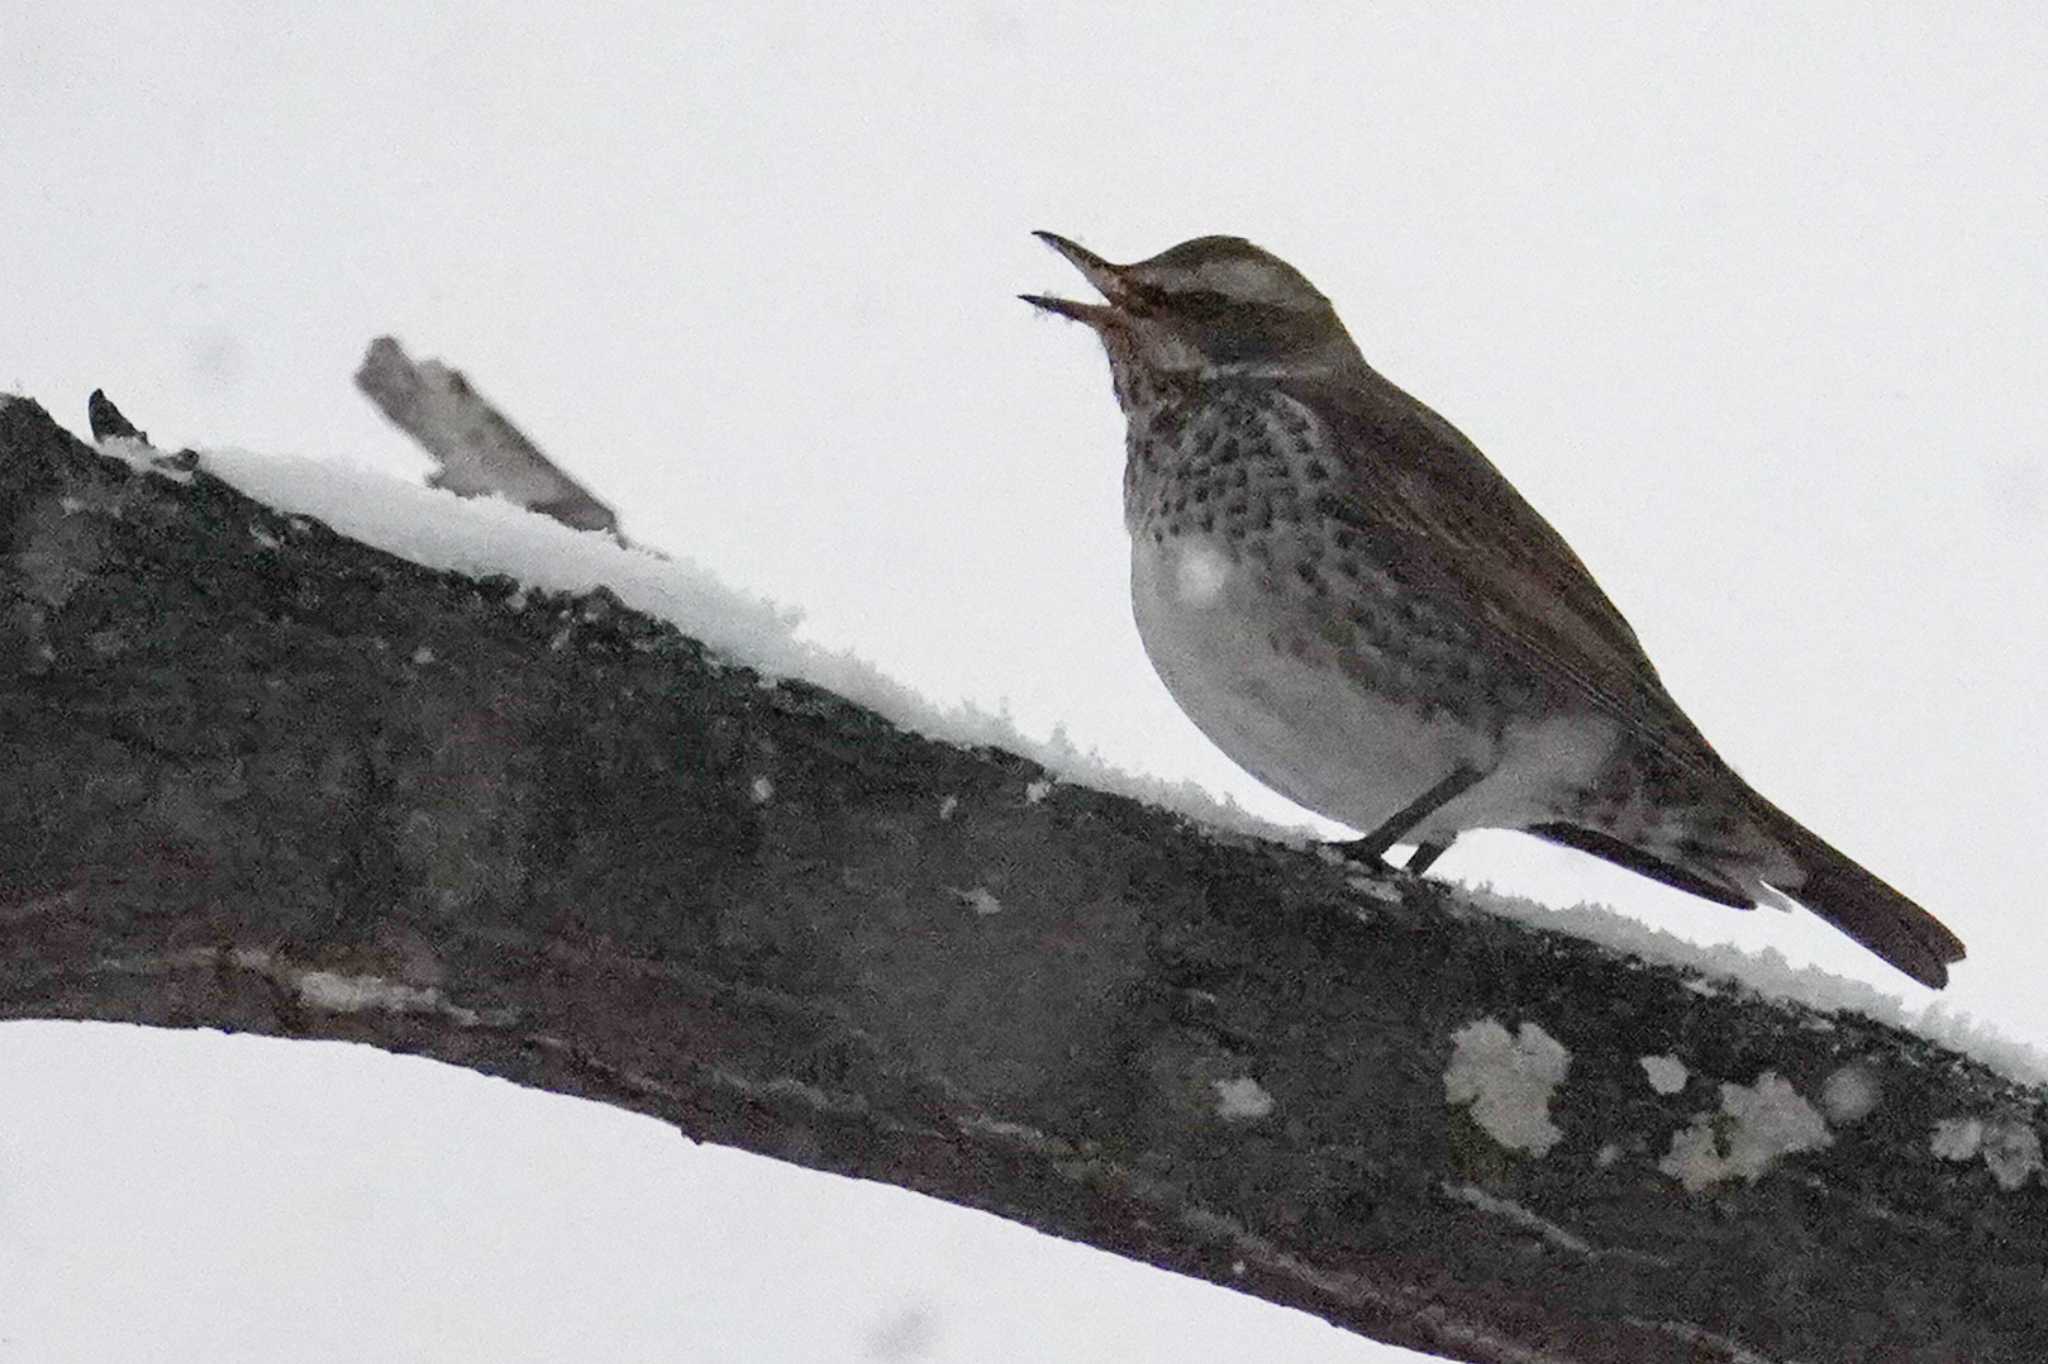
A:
261, 777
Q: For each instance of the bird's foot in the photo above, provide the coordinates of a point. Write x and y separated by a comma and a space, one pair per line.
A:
1369, 855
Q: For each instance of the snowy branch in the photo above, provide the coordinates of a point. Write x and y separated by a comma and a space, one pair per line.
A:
262, 777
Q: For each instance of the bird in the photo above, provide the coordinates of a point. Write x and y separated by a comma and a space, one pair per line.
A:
1357, 608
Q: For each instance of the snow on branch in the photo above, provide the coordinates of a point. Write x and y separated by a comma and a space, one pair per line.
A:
262, 776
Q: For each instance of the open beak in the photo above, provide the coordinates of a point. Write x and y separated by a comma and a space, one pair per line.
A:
1107, 279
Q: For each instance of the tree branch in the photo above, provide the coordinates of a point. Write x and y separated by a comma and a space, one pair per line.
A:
264, 778
478, 448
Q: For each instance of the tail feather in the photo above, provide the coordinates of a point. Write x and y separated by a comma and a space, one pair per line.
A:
1825, 882
1864, 907
1642, 863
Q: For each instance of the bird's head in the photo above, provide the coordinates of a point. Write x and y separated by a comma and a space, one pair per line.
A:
1211, 307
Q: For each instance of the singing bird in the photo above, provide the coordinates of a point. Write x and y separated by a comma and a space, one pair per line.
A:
1348, 598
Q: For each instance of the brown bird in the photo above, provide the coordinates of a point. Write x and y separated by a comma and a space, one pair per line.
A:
1355, 606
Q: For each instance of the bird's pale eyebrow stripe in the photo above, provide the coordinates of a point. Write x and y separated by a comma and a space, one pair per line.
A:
1247, 278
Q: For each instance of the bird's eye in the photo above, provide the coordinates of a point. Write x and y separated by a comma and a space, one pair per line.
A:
1144, 299
1200, 305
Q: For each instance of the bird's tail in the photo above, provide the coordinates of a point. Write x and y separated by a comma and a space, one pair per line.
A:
1859, 904
1784, 860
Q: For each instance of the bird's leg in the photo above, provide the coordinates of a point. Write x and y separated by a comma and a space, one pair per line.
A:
1373, 847
1426, 855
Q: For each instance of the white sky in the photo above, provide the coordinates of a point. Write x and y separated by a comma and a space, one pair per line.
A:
1747, 300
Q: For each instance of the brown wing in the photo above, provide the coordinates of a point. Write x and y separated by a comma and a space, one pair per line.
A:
1467, 536
1413, 482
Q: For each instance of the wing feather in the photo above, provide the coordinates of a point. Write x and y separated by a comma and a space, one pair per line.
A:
1462, 531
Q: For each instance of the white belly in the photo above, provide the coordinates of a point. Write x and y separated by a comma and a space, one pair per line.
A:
1270, 695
